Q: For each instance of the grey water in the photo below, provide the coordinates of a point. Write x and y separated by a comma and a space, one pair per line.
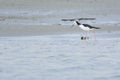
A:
59, 57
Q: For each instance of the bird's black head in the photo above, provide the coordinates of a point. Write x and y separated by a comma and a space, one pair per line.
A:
77, 23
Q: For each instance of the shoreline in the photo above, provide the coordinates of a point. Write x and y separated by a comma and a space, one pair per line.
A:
38, 30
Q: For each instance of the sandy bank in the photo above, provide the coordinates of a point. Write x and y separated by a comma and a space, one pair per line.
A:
53, 4
36, 30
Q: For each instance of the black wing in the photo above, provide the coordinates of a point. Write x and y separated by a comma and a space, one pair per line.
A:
87, 25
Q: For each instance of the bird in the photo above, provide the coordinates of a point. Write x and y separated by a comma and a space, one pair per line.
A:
86, 27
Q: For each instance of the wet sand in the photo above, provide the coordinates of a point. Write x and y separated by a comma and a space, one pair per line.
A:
38, 30
45, 4
44, 12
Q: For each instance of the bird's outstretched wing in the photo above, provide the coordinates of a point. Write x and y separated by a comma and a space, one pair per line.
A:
78, 19
87, 25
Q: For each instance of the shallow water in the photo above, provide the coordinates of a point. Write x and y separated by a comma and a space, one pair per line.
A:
60, 57
63, 56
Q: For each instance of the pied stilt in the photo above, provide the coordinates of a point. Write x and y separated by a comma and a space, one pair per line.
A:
87, 28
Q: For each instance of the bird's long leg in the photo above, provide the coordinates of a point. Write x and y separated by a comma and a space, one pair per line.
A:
87, 35
94, 34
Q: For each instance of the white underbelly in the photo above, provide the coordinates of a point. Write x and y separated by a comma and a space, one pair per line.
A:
85, 28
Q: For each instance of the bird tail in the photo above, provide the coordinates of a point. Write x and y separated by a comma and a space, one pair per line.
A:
96, 27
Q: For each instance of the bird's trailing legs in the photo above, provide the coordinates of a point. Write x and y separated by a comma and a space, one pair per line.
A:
86, 37
94, 34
